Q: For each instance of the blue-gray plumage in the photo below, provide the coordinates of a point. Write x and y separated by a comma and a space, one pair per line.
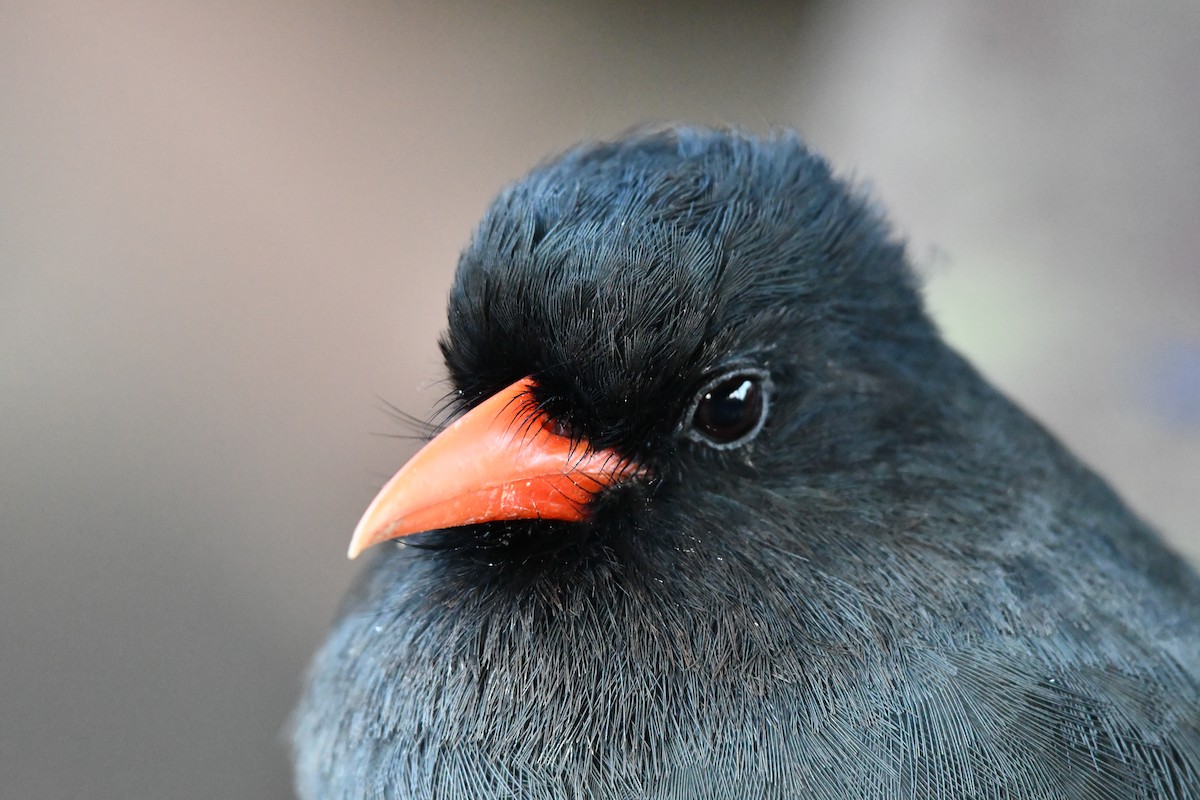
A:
846, 568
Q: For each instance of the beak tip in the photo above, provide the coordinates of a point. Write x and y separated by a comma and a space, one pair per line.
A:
374, 525
360, 540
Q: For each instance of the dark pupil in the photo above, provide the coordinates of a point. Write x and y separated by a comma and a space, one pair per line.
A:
730, 409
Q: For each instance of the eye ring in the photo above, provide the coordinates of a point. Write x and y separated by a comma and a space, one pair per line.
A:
730, 409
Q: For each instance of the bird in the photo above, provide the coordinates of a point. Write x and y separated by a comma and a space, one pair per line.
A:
711, 510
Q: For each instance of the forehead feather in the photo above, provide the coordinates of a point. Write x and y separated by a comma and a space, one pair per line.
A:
634, 254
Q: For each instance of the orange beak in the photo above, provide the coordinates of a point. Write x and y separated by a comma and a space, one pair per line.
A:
502, 460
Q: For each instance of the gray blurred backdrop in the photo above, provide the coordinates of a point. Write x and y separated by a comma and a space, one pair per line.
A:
227, 230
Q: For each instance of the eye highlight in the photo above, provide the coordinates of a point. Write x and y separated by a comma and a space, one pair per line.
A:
730, 410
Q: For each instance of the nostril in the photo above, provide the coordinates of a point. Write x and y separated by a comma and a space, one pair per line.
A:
558, 427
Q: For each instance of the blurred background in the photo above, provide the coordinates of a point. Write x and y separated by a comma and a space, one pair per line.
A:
227, 230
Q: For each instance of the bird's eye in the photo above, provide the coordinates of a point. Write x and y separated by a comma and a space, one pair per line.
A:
730, 411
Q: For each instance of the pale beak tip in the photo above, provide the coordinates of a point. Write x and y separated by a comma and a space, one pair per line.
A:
356, 546
362, 538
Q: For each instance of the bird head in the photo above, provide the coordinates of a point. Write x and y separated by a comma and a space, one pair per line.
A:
652, 339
